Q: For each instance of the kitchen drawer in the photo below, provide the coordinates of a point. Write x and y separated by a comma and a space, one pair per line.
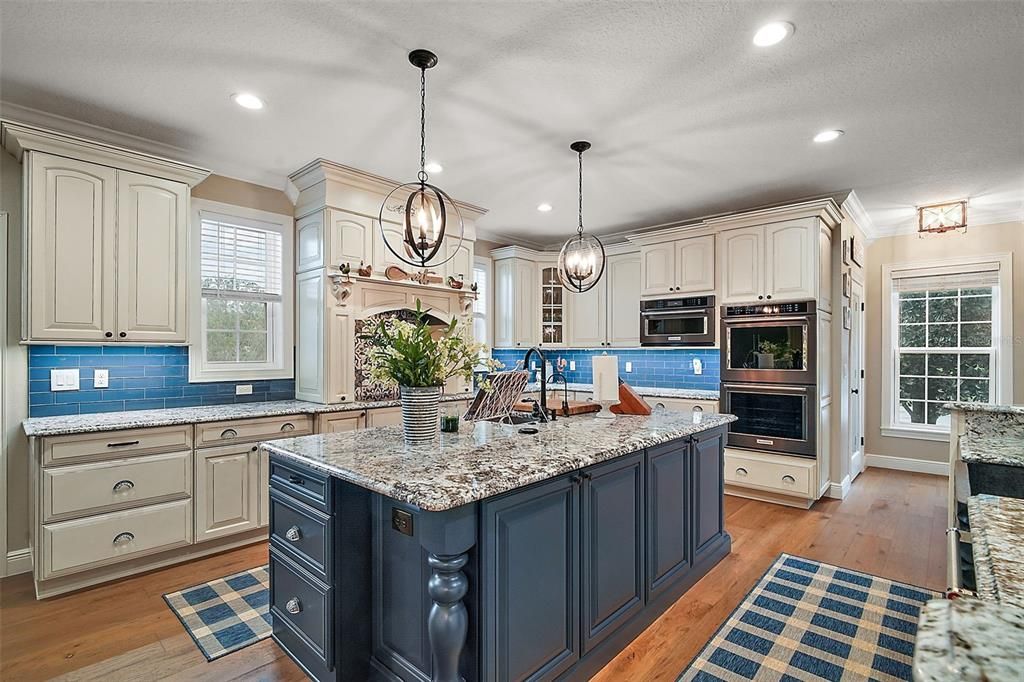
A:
340, 422
83, 489
298, 482
776, 473
246, 430
302, 604
80, 447
302, 533
70, 546
682, 405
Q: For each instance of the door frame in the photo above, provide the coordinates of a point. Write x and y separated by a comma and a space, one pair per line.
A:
855, 444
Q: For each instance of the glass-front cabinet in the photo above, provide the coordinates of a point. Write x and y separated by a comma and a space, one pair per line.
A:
552, 316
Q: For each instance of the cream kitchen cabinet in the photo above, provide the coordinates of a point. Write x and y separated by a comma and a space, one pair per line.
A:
516, 318
227, 492
588, 317
608, 314
683, 266
328, 238
775, 262
383, 416
106, 240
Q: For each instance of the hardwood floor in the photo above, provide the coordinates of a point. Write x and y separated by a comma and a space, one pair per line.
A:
891, 524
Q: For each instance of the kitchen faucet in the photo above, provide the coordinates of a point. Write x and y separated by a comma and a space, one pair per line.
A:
545, 414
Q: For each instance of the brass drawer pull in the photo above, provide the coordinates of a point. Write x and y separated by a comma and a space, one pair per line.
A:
293, 534
741, 471
229, 433
124, 537
123, 485
287, 426
788, 479
294, 605
122, 444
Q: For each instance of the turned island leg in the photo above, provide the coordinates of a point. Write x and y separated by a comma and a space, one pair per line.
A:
447, 537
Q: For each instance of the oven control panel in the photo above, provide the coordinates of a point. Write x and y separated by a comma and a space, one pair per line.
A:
792, 308
679, 303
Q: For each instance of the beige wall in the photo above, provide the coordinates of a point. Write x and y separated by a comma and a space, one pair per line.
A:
482, 247
239, 193
988, 239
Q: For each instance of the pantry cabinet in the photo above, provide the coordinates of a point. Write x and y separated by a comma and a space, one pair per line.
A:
105, 238
775, 262
683, 266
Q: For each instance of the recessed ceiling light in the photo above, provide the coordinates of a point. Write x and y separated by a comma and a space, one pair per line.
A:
773, 33
544, 208
247, 100
827, 135
433, 167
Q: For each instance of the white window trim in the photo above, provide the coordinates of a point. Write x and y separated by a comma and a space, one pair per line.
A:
197, 370
487, 264
1002, 330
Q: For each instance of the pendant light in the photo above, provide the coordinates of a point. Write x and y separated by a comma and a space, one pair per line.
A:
581, 260
429, 214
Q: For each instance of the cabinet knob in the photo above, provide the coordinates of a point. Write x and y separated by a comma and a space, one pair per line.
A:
769, 297
123, 334
123, 538
293, 534
293, 605
760, 298
108, 334
123, 485
254, 448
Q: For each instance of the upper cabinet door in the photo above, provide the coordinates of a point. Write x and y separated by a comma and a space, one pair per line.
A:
623, 275
587, 317
741, 259
461, 263
791, 260
382, 255
658, 269
152, 259
504, 302
350, 238
525, 298
695, 264
309, 242
71, 223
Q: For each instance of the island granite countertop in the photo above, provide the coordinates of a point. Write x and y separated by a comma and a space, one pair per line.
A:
997, 526
968, 639
645, 391
484, 459
993, 434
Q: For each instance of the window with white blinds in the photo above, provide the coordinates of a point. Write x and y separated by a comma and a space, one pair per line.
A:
244, 286
481, 306
945, 338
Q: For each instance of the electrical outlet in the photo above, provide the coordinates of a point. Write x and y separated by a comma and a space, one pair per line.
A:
572, 365
629, 367
243, 389
101, 378
64, 379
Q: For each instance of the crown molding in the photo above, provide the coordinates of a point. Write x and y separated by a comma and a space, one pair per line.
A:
854, 210
824, 208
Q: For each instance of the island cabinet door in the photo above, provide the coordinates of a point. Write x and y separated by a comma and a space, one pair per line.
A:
530, 582
612, 546
669, 547
708, 472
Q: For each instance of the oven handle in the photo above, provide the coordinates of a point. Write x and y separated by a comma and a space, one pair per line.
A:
795, 390
678, 312
766, 318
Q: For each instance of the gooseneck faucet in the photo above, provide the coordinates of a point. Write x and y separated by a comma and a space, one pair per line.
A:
543, 379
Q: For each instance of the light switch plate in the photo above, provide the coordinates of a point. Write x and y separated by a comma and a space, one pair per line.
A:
629, 367
698, 366
572, 365
64, 379
101, 378
243, 389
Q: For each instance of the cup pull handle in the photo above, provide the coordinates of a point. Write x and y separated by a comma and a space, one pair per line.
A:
293, 605
229, 433
741, 471
788, 479
293, 534
296, 480
123, 537
287, 426
123, 485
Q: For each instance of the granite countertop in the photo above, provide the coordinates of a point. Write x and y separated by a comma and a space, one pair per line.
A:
997, 527
987, 407
650, 392
484, 459
112, 421
995, 438
968, 639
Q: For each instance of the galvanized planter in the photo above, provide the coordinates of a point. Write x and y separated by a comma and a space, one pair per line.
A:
420, 413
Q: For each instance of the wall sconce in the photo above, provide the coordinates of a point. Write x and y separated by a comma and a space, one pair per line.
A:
939, 218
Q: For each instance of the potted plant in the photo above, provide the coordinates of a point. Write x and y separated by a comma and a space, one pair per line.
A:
420, 358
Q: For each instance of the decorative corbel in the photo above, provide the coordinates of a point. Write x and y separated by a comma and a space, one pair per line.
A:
341, 287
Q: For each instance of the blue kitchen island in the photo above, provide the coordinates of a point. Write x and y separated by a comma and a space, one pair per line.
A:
489, 554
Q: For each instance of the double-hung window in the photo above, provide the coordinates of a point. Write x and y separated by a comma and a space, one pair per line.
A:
241, 294
482, 305
946, 341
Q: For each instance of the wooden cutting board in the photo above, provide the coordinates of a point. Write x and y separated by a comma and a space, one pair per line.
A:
575, 407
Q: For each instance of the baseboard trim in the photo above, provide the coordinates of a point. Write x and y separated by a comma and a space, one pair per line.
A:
920, 466
19, 561
839, 491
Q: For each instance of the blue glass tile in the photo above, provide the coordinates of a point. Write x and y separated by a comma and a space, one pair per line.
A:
147, 382
124, 350
54, 410
40, 398
78, 396
123, 394
163, 392
89, 408
53, 361
156, 404
41, 350
101, 360
183, 402
166, 350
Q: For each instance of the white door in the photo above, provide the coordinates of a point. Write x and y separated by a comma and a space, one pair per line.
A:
587, 317
791, 251
695, 264
382, 255
152, 259
71, 225
383, 416
658, 268
623, 307
856, 379
741, 263
226, 492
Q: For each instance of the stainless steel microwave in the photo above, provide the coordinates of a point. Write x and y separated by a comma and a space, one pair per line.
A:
686, 321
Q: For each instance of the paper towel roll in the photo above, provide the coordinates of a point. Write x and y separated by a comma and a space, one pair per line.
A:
606, 378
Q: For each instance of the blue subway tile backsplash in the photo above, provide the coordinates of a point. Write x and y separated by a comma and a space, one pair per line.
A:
652, 367
141, 378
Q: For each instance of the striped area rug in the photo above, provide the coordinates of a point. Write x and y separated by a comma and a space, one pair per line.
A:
806, 620
226, 614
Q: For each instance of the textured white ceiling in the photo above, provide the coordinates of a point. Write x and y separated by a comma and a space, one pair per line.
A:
687, 117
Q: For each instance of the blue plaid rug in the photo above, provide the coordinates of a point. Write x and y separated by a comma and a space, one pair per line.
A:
806, 620
226, 614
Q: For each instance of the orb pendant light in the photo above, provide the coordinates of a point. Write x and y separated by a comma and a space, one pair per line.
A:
429, 214
581, 260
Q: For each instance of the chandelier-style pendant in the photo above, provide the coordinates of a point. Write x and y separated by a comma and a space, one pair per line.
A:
581, 260
428, 210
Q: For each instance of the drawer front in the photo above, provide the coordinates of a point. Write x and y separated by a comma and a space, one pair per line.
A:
384, 416
780, 477
70, 546
302, 533
341, 422
81, 489
302, 604
300, 483
115, 444
247, 430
